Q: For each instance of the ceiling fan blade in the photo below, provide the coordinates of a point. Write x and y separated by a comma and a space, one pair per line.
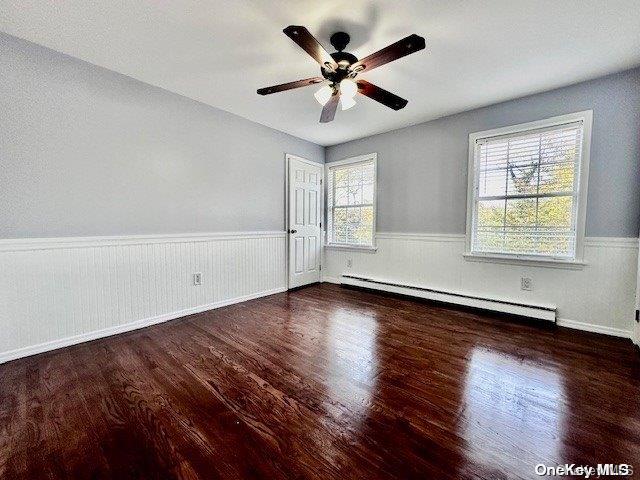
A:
381, 95
309, 44
401, 48
288, 86
329, 109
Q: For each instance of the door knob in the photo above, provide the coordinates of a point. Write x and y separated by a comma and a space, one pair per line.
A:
293, 231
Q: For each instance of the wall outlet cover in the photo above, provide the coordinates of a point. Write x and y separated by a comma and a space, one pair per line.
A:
526, 283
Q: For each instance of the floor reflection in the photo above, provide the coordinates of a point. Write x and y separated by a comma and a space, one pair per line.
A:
352, 364
512, 408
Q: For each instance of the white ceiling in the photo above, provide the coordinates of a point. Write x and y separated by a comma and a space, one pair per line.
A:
219, 52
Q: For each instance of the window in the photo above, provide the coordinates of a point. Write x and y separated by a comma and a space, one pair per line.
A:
527, 190
351, 202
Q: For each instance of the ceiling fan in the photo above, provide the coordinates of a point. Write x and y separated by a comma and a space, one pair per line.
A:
341, 68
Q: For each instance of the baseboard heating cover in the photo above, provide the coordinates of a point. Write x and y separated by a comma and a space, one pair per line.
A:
541, 312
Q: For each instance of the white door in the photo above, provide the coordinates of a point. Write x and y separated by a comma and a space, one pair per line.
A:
305, 215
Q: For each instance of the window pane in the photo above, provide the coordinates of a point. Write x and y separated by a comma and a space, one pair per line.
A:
521, 212
522, 179
340, 225
367, 193
489, 239
340, 233
360, 223
353, 216
492, 182
523, 170
367, 173
555, 212
557, 177
341, 177
490, 229
520, 226
355, 175
491, 213
349, 188
342, 196
354, 196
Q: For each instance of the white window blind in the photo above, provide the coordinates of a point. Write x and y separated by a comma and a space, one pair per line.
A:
351, 203
526, 192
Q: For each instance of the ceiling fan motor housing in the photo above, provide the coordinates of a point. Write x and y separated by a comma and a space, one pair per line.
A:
341, 65
339, 40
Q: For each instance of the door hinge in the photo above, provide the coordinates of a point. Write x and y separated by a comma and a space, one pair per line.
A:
320, 267
320, 225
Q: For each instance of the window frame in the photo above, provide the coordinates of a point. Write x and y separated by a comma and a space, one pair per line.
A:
586, 117
370, 157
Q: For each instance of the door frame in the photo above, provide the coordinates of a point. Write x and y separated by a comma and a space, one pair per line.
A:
287, 158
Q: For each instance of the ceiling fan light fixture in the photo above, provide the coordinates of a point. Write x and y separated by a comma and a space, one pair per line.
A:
339, 69
324, 94
346, 102
348, 88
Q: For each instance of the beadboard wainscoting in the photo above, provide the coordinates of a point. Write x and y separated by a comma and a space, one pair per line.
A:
598, 297
60, 291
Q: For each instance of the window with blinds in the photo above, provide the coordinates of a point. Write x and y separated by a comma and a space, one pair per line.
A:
526, 192
351, 189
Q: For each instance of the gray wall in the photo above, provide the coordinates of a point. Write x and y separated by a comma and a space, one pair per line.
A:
422, 170
87, 151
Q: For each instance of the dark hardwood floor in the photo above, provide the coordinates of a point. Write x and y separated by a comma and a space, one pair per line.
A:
323, 382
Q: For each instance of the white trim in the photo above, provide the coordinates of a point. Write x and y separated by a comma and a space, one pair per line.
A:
611, 242
370, 157
586, 117
350, 160
539, 311
20, 244
562, 322
606, 242
589, 327
517, 260
128, 327
599, 294
422, 237
331, 280
530, 310
358, 248
48, 243
287, 227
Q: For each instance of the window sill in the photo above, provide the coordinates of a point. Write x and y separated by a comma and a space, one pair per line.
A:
357, 248
532, 262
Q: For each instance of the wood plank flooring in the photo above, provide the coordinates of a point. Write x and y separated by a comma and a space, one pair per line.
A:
323, 382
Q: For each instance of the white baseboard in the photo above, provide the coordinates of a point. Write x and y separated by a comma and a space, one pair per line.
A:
589, 327
127, 327
331, 280
61, 291
600, 296
562, 322
538, 311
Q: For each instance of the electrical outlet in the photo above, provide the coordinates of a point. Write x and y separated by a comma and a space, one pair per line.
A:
526, 283
197, 279
349, 263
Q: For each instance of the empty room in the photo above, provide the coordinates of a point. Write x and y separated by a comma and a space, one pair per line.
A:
286, 239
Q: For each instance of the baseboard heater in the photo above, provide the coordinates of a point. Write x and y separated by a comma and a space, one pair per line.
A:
541, 312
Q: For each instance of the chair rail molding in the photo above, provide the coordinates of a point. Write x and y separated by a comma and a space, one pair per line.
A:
599, 297
60, 291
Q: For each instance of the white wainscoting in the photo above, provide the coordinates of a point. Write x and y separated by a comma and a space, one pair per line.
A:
60, 291
599, 297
